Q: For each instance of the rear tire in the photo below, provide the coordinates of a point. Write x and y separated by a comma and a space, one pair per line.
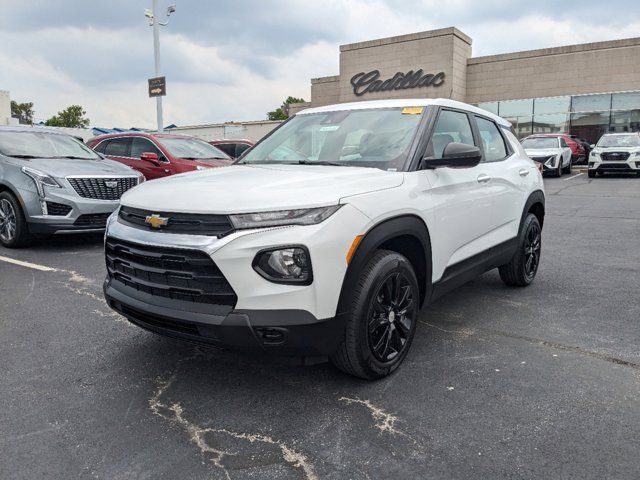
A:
14, 232
522, 268
382, 317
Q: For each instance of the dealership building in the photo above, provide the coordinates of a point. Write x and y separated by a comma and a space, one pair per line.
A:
586, 89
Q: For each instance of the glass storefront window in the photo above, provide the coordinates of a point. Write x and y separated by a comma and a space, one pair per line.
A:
625, 101
556, 123
521, 125
516, 108
589, 125
489, 107
622, 122
590, 103
551, 105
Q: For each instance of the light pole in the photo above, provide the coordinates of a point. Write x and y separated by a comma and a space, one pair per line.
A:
152, 15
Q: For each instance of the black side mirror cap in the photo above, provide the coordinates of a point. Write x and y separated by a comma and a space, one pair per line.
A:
455, 155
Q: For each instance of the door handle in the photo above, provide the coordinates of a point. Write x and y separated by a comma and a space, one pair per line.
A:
524, 172
483, 178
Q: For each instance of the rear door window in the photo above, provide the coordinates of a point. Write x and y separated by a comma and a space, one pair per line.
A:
492, 141
118, 147
241, 148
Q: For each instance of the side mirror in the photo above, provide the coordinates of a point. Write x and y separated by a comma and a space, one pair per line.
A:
455, 155
592, 146
151, 158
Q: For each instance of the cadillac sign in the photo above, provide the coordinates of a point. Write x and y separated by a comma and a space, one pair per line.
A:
370, 82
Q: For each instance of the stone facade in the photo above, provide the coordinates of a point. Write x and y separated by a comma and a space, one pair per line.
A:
589, 68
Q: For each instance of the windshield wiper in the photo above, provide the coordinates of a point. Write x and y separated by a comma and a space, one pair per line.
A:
320, 162
73, 157
23, 156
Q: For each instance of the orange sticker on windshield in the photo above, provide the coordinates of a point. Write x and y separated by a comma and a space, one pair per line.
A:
412, 110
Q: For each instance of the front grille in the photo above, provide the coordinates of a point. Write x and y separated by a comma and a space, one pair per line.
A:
102, 188
191, 223
614, 156
615, 166
159, 322
59, 209
178, 274
96, 220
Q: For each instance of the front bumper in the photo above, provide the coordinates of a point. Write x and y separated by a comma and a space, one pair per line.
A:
86, 213
283, 318
282, 332
631, 165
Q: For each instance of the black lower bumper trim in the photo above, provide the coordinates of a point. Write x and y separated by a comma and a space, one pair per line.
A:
281, 332
50, 228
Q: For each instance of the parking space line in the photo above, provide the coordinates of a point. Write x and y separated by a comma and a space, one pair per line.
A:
577, 175
34, 266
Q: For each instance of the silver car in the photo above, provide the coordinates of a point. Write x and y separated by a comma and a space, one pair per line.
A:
51, 182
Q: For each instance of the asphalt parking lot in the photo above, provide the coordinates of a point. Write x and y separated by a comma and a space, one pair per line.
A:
542, 382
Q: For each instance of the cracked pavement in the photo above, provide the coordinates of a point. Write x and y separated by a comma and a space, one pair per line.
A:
542, 382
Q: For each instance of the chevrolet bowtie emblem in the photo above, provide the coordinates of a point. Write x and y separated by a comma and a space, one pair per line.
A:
156, 221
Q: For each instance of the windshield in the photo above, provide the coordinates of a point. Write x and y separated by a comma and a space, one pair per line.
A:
378, 138
192, 148
540, 142
619, 141
43, 145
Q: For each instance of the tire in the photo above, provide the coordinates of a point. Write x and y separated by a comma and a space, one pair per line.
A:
568, 168
384, 308
591, 173
519, 272
14, 232
559, 169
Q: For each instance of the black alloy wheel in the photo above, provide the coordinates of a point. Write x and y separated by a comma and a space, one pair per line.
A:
391, 317
532, 246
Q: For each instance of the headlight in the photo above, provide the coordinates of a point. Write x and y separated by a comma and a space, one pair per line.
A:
304, 216
592, 154
290, 265
40, 179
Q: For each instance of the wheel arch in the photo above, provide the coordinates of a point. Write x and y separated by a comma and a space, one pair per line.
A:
407, 235
535, 204
5, 187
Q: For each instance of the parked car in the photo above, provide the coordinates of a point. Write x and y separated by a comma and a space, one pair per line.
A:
51, 182
617, 153
585, 145
552, 152
233, 148
335, 250
159, 155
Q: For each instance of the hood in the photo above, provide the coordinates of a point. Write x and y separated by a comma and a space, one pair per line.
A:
258, 188
616, 149
542, 152
61, 167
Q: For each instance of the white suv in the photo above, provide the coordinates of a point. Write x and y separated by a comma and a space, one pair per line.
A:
328, 236
616, 153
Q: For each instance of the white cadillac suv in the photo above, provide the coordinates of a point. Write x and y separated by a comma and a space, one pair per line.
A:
616, 153
328, 236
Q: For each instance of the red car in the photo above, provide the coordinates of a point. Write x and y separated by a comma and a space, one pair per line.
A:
234, 148
577, 149
159, 155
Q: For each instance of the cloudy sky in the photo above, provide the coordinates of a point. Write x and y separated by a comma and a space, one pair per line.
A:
236, 59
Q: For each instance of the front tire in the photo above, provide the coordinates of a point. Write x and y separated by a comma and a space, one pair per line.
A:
591, 173
14, 232
522, 268
382, 318
568, 168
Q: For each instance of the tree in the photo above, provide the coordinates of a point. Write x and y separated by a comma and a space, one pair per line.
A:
282, 112
72, 117
22, 111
